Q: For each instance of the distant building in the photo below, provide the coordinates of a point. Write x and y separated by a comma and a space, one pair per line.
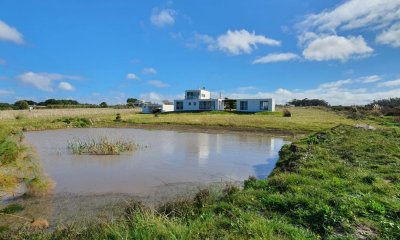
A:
255, 105
154, 108
198, 100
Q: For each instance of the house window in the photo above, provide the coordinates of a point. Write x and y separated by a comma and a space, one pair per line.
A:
194, 103
179, 105
203, 95
243, 105
190, 103
264, 105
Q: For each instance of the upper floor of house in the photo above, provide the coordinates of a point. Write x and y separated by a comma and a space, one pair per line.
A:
197, 94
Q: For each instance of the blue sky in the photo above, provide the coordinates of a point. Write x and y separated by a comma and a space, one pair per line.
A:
346, 52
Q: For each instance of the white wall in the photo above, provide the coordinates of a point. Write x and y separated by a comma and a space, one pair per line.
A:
167, 108
195, 104
253, 105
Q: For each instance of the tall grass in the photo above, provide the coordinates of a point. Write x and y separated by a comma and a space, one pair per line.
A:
101, 146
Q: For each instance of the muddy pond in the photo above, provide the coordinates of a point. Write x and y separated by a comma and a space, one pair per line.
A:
172, 163
169, 157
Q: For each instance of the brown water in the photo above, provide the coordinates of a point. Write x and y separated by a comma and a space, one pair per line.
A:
172, 157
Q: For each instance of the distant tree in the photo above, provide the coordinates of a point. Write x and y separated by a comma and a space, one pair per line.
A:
6, 106
59, 102
103, 105
391, 103
230, 104
21, 104
131, 100
308, 102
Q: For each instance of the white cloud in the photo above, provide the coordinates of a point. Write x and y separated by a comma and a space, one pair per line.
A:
241, 41
5, 92
157, 83
43, 81
334, 47
132, 76
8, 33
66, 86
353, 14
2, 61
276, 57
149, 71
340, 83
163, 17
370, 79
394, 83
336, 84
234, 42
390, 36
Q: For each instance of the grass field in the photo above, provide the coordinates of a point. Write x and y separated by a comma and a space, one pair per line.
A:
302, 120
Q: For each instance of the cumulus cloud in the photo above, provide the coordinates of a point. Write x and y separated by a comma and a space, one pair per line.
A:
394, 83
157, 83
149, 71
353, 14
370, 79
66, 86
341, 83
319, 30
241, 41
391, 36
42, 80
8, 33
234, 42
276, 57
132, 76
334, 47
163, 17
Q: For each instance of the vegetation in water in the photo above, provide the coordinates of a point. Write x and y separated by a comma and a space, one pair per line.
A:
101, 146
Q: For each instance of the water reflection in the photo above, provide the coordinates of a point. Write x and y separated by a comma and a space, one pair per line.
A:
173, 157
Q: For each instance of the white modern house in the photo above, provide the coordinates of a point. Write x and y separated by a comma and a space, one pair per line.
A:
198, 100
255, 105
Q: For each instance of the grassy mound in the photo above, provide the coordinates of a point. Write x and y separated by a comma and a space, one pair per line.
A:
19, 165
101, 146
343, 183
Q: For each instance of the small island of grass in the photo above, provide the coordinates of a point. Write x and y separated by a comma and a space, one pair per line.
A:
101, 146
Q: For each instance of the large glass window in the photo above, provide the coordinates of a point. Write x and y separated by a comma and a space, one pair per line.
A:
179, 105
243, 105
264, 105
192, 95
207, 105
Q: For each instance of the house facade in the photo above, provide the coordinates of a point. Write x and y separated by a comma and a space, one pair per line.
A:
198, 100
255, 105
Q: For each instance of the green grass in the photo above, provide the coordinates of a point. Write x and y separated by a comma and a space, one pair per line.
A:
19, 165
303, 120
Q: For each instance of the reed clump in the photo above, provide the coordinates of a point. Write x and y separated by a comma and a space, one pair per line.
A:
101, 146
